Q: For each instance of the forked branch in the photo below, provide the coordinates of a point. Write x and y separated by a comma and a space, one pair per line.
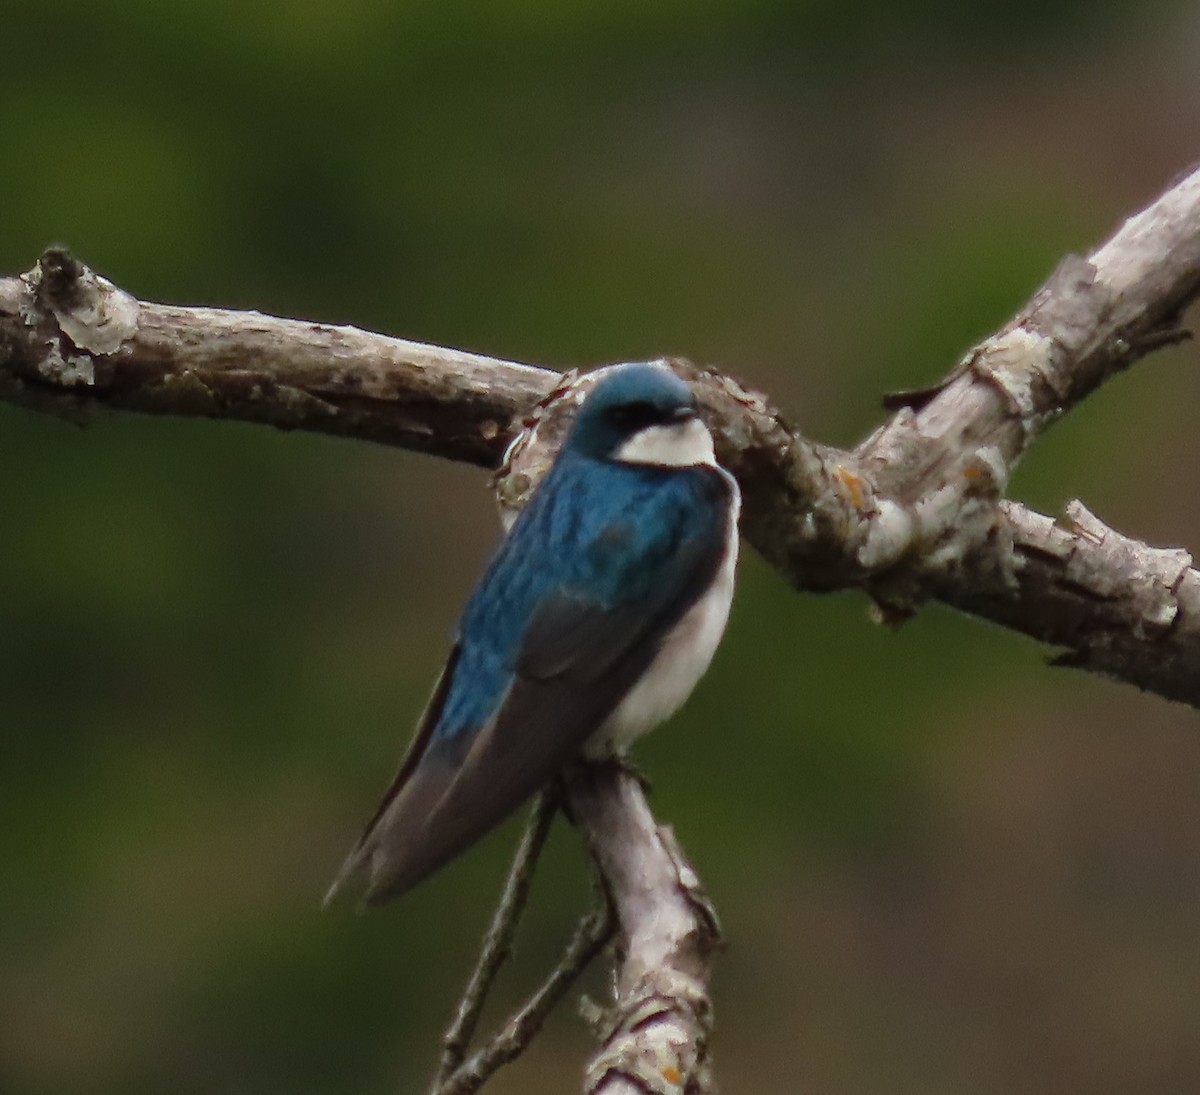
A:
912, 513
916, 511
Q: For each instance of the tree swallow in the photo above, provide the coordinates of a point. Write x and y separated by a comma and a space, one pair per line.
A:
592, 624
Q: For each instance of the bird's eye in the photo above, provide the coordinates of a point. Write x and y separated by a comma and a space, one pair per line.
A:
636, 416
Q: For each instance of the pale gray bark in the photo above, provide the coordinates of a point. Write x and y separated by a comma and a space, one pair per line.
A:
655, 1036
914, 512
62, 352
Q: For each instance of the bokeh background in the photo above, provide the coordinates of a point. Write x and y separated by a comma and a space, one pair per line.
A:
942, 866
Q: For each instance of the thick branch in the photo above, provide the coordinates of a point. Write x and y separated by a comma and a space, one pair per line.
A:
655, 1038
1120, 607
912, 513
947, 454
62, 351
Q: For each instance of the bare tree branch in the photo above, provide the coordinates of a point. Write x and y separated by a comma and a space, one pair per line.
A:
655, 1040
1119, 606
913, 513
522, 1027
497, 944
655, 1036
916, 511
72, 342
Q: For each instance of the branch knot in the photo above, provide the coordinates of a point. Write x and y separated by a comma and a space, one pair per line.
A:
91, 311
657, 1039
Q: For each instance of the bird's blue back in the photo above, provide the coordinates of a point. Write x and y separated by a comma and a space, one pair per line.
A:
568, 619
598, 530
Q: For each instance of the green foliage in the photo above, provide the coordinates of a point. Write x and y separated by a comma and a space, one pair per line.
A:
214, 640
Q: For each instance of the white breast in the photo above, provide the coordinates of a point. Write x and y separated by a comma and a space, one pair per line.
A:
681, 660
677, 445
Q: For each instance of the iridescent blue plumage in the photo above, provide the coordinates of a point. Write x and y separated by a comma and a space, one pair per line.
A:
612, 561
607, 534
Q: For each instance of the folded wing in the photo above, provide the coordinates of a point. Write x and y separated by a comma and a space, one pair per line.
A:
577, 656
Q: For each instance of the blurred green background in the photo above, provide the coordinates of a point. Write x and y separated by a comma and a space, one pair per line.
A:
942, 867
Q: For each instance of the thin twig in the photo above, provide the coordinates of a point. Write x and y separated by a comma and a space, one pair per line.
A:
497, 944
590, 937
915, 511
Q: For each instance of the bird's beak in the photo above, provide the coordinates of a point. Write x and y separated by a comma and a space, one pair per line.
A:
684, 414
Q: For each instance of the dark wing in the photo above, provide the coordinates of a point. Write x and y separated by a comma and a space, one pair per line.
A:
577, 660
408, 766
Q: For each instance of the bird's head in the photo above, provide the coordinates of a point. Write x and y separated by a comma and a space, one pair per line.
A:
641, 413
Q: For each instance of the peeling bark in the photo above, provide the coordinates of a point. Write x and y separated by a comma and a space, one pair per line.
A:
1120, 607
914, 512
214, 363
655, 1037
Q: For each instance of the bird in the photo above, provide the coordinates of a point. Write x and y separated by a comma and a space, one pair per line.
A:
594, 620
